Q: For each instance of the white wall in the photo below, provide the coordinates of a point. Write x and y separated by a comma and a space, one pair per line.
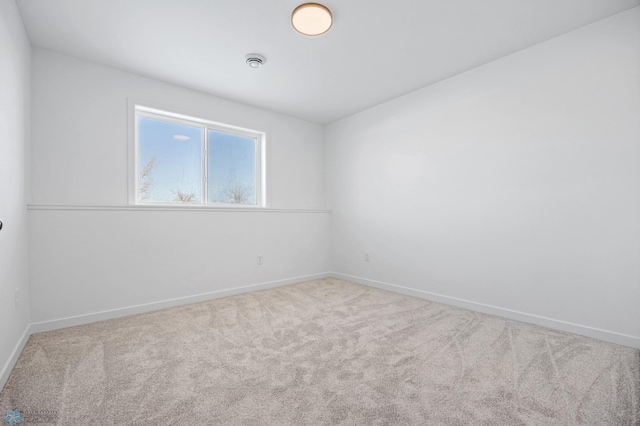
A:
90, 261
85, 261
514, 185
14, 187
80, 134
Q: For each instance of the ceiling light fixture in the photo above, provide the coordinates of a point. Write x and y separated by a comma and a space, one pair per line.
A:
181, 137
311, 19
254, 60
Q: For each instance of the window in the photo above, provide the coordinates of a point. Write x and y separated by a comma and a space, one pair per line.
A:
185, 160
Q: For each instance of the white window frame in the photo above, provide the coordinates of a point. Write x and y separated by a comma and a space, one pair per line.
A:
139, 110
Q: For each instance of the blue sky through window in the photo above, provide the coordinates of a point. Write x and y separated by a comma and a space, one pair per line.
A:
232, 168
174, 152
170, 164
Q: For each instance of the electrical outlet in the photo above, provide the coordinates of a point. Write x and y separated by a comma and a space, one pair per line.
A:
17, 297
259, 259
366, 256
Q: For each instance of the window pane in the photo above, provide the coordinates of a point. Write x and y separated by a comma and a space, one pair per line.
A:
170, 162
232, 168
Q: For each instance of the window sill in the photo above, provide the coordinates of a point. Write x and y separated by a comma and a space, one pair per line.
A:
172, 208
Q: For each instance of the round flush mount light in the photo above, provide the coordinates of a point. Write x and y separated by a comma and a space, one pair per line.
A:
311, 19
254, 60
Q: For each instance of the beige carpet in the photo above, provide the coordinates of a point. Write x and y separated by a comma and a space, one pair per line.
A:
325, 352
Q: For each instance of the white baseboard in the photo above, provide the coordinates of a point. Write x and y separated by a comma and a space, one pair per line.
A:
40, 327
607, 336
8, 366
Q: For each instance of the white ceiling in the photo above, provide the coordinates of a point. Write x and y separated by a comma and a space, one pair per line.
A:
375, 51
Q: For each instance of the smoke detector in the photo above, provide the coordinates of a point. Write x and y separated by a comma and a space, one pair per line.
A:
254, 60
